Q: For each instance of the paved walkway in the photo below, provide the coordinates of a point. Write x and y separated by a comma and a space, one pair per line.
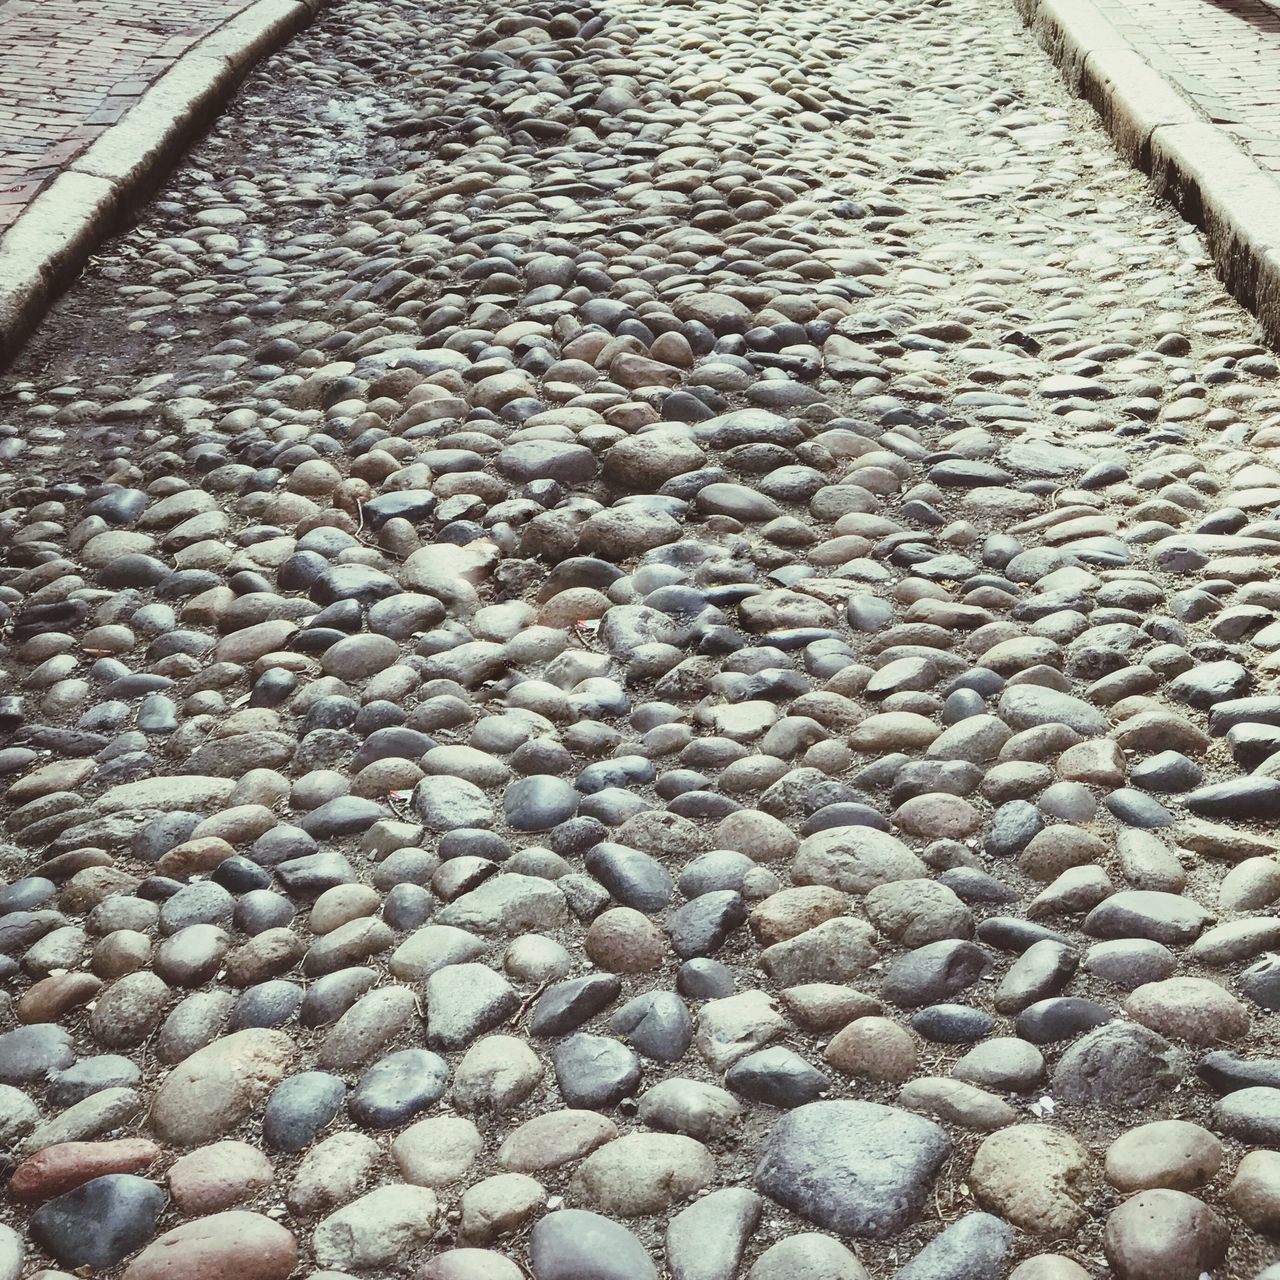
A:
794, 521
72, 70
1224, 55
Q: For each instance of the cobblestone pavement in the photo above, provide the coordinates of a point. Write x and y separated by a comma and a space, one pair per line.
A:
641, 640
1224, 55
71, 70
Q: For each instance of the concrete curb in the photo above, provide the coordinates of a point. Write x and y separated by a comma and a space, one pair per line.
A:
43, 251
1192, 163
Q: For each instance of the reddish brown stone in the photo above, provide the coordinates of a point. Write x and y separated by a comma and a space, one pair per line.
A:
54, 996
226, 1246
66, 1165
193, 856
215, 1177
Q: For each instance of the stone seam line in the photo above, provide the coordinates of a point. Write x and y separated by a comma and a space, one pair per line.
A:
45, 248
1193, 164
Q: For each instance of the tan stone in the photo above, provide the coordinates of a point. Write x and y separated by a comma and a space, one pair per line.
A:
1197, 1010
437, 1152
498, 1206
1165, 1153
215, 1177
873, 1048
216, 1088
642, 1173
193, 856
1164, 1235
1049, 1266
938, 817
1059, 848
555, 1138
1035, 1176
1254, 1192
827, 1006
623, 940
790, 912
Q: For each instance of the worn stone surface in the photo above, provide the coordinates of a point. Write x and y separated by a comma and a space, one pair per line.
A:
640, 640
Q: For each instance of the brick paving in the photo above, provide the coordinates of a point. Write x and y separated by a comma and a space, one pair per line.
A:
1224, 55
71, 70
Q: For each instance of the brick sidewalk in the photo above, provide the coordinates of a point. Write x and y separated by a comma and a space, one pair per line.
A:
72, 69
1223, 55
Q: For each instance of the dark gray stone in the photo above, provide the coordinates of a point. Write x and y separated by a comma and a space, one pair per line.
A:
299, 1108
539, 802
101, 1222
595, 1072
702, 927
932, 973
397, 1088
567, 1005
777, 1076
657, 1024
856, 1168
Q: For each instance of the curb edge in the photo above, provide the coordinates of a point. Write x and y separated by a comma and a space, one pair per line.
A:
1192, 164
43, 251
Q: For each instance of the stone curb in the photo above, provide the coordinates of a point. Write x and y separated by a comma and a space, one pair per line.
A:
54, 236
1192, 163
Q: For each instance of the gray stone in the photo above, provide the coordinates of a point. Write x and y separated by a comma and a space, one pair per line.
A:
573, 1244
706, 1240
857, 1168
972, 1248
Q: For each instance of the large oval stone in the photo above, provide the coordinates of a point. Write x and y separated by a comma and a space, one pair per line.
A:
217, 1087
247, 1246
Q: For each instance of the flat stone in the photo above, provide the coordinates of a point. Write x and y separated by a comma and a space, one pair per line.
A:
99, 1223
465, 1000
498, 1206
379, 1229
437, 1152
1164, 1235
554, 1139
215, 1177
1139, 913
807, 1256
217, 1087
676, 1105
643, 1173
573, 1244
1164, 1153
249, 1246
1036, 1176
854, 860
855, 1167
1196, 1010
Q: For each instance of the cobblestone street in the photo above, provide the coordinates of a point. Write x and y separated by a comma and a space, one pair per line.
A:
71, 71
641, 640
